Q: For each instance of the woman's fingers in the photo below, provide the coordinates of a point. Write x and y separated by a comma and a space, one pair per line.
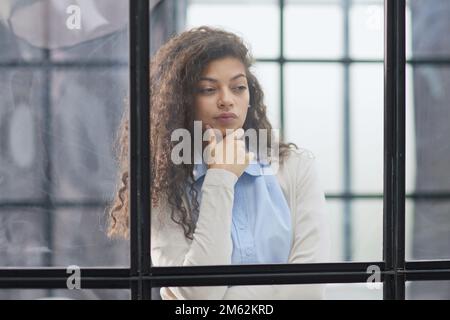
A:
212, 136
212, 142
230, 152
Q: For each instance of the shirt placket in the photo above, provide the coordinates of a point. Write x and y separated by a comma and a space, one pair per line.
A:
247, 250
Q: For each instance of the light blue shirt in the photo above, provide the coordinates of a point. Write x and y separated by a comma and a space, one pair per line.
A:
261, 223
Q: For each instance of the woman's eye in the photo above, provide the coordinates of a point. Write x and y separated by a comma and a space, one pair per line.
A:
206, 90
241, 88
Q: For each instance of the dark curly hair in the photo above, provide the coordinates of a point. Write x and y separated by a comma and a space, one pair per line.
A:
175, 69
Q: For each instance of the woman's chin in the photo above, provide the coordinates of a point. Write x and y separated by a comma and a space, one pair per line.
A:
223, 128
227, 130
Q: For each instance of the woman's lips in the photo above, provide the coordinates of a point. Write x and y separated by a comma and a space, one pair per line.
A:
226, 117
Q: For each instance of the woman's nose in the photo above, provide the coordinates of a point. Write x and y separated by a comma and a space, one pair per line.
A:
225, 99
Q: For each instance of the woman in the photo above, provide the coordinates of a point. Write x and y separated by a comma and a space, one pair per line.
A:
215, 212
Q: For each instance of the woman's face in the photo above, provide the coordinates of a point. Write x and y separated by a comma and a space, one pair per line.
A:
222, 95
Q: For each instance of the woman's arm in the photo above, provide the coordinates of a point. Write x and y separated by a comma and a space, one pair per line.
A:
311, 238
212, 243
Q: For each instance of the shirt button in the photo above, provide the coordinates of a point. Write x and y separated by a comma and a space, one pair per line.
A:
241, 227
248, 251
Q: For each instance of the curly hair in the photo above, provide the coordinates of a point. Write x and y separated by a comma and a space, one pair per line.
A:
175, 69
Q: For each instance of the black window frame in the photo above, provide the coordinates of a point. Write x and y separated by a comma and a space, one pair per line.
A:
141, 277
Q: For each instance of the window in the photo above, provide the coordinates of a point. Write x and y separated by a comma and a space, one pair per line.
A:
381, 206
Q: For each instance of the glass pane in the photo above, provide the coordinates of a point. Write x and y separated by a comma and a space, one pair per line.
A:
313, 116
22, 294
104, 22
24, 238
322, 2
14, 47
366, 101
409, 229
22, 115
367, 112
109, 48
354, 291
366, 31
431, 101
61, 294
65, 28
313, 31
91, 294
268, 75
339, 237
367, 28
356, 229
429, 236
367, 230
428, 29
408, 28
367, 1
80, 235
430, 173
261, 32
57, 128
428, 290
86, 105
410, 121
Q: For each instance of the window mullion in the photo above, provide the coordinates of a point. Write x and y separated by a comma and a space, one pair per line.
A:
139, 142
394, 150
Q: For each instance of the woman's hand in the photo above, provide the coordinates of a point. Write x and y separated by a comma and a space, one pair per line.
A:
231, 143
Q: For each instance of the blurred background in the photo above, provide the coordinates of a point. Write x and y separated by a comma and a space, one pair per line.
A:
63, 84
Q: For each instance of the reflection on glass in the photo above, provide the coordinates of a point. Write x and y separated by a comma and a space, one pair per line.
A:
428, 28
431, 219
427, 290
61, 294
84, 130
57, 124
57, 24
429, 237
23, 237
21, 114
